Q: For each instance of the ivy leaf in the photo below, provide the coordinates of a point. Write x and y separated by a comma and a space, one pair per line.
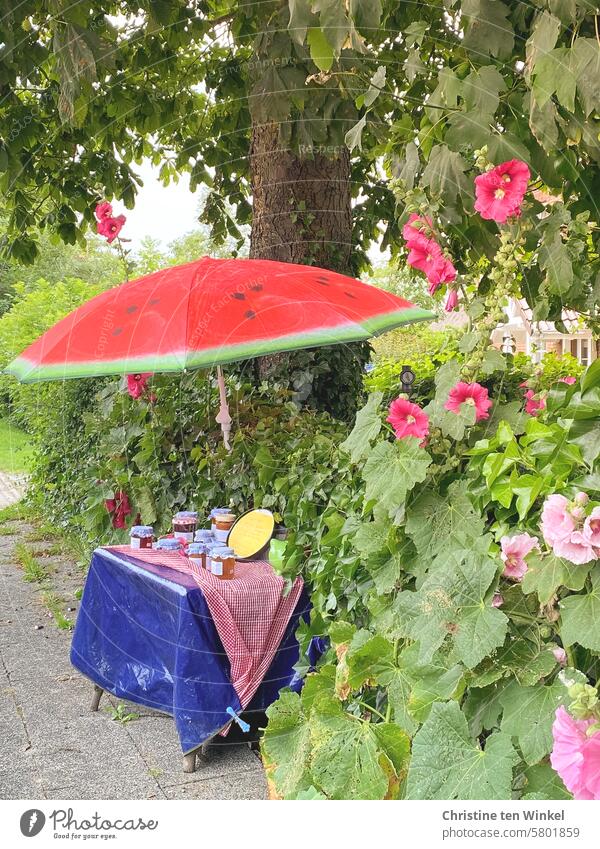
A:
451, 602
528, 715
547, 572
580, 616
488, 32
447, 764
288, 745
392, 470
321, 51
445, 174
366, 428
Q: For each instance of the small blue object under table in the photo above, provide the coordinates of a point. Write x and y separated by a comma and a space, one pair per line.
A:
144, 633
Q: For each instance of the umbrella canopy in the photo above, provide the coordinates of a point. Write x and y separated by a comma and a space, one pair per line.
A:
210, 312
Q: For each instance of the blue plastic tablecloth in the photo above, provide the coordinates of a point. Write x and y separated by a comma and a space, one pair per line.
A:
145, 634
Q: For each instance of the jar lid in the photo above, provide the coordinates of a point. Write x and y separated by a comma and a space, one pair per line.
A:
226, 551
141, 531
169, 544
186, 514
216, 510
196, 548
203, 536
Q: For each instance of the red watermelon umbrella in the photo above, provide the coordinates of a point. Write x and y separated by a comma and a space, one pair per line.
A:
207, 313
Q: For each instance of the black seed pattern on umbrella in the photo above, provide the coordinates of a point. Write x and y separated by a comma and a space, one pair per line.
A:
350, 295
117, 331
250, 314
256, 287
154, 301
239, 296
131, 308
322, 280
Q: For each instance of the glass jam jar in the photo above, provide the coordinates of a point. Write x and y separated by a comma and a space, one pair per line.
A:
222, 563
141, 536
197, 551
223, 524
204, 536
184, 524
168, 544
214, 513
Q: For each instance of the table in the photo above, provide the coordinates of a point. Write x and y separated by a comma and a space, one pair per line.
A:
144, 633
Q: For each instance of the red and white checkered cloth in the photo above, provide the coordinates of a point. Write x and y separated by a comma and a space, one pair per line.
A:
250, 611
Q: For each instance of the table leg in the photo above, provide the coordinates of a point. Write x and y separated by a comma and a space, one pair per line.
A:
97, 696
189, 761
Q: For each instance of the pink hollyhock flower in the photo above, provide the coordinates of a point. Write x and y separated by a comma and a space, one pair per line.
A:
469, 393
119, 508
557, 522
591, 527
426, 255
408, 419
442, 273
570, 380
451, 300
111, 227
103, 211
571, 750
137, 383
576, 549
533, 405
498, 600
500, 192
514, 551
413, 229
560, 655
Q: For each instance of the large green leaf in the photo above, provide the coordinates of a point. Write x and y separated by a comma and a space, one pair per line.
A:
321, 50
587, 73
528, 714
445, 174
547, 572
287, 744
580, 616
488, 32
448, 764
554, 74
556, 262
451, 603
366, 428
392, 470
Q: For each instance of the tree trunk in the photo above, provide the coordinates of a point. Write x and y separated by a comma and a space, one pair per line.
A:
302, 214
302, 210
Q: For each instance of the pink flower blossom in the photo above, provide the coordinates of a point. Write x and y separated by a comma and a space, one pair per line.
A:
560, 655
570, 380
498, 600
500, 192
111, 227
575, 756
591, 528
103, 211
137, 383
451, 300
560, 530
442, 273
469, 393
408, 419
514, 551
534, 405
414, 228
425, 254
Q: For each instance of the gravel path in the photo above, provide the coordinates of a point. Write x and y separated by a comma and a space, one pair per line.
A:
53, 746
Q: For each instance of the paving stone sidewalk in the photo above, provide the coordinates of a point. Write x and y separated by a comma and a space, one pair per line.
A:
53, 745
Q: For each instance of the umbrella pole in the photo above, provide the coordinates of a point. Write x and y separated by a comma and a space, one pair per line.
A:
223, 417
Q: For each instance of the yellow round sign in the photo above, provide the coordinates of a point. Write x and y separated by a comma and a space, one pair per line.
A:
251, 533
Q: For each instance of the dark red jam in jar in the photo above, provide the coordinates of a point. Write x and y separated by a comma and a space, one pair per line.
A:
184, 524
141, 536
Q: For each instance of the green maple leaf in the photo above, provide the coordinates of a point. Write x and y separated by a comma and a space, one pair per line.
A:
448, 764
366, 428
580, 616
554, 73
528, 715
445, 174
488, 31
547, 572
392, 470
287, 744
587, 72
451, 602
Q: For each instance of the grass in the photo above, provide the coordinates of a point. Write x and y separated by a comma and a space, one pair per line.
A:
15, 449
54, 603
33, 571
16, 512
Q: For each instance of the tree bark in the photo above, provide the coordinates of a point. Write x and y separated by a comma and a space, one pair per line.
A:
301, 207
302, 214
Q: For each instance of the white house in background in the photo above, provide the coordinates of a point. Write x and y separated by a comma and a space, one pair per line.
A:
536, 338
